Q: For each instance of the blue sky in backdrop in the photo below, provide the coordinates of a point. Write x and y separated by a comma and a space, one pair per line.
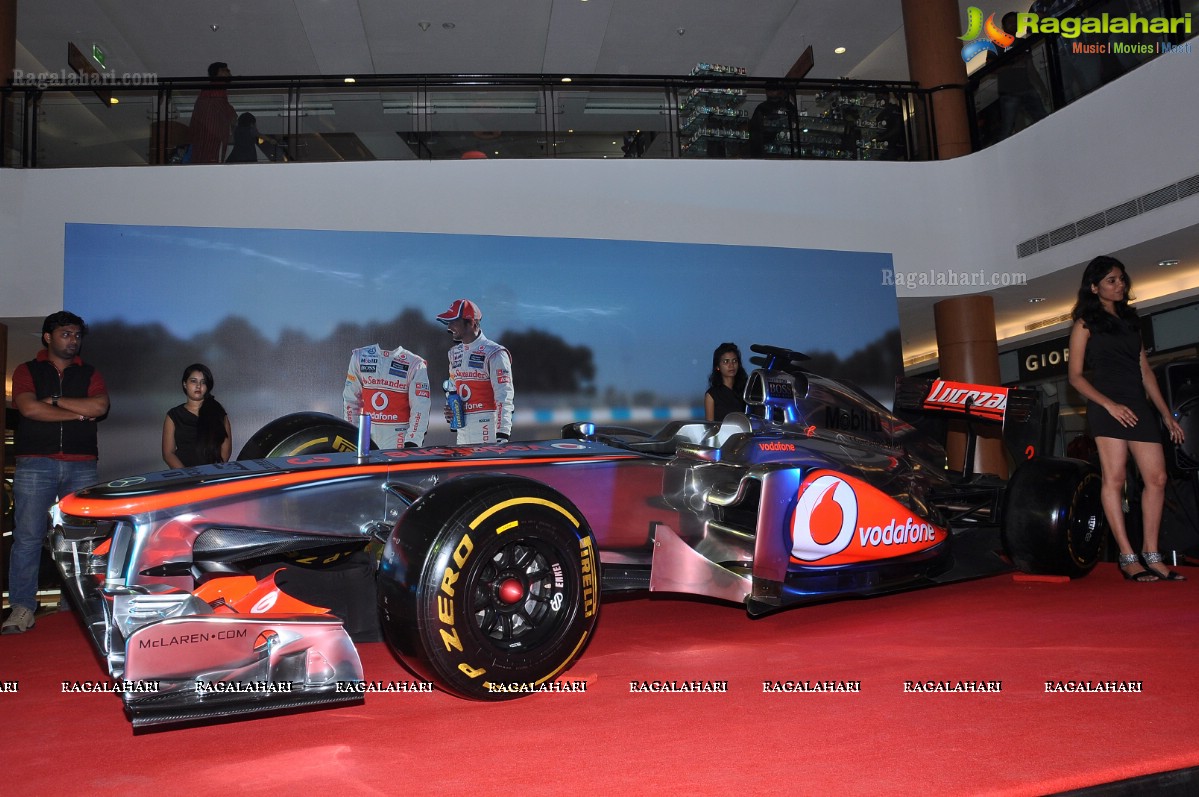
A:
651, 312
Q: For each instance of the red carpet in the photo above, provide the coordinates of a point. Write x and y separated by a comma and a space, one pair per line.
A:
1020, 741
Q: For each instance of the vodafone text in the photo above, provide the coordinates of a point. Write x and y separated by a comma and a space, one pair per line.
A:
896, 533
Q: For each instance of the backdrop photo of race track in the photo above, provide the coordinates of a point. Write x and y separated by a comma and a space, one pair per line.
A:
606, 330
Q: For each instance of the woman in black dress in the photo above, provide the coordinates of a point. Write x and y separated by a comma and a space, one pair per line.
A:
726, 383
1120, 389
196, 432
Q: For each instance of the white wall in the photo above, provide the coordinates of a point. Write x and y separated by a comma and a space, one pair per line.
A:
1130, 137
1127, 138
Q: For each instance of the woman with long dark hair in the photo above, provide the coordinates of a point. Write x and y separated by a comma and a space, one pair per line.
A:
726, 383
1121, 394
196, 432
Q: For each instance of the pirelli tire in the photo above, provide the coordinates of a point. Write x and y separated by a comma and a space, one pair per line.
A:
301, 433
489, 586
1053, 522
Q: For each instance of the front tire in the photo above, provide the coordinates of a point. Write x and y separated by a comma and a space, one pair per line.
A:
1053, 520
302, 433
489, 586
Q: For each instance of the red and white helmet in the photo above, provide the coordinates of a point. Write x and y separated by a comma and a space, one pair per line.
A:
461, 308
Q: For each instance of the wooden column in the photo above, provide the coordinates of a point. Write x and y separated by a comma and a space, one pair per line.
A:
931, 29
968, 352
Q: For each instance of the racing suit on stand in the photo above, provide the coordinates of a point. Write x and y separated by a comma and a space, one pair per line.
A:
482, 374
392, 387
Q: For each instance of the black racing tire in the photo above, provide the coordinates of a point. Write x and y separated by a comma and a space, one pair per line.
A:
489, 586
1053, 521
302, 433
1186, 455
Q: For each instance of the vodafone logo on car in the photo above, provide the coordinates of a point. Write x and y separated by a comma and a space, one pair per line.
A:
842, 520
824, 519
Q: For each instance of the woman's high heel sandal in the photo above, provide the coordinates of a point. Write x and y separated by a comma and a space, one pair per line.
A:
1152, 558
1144, 574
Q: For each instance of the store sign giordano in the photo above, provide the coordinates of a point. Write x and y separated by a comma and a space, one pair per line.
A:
1044, 360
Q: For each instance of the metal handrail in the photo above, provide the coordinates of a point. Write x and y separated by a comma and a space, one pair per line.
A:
550, 87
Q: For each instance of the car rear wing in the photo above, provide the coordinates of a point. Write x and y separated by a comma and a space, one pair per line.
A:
969, 401
1027, 425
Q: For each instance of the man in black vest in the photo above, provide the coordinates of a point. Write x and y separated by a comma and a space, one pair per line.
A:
60, 398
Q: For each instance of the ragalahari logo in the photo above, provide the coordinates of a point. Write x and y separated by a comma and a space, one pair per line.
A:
980, 36
985, 36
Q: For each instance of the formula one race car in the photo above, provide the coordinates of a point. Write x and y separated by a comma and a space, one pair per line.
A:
242, 587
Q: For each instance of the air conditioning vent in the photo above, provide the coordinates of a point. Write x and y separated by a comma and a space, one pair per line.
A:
1062, 234
1155, 199
1113, 215
1122, 212
1091, 223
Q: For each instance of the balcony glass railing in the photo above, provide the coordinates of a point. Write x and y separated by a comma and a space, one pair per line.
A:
440, 117
713, 113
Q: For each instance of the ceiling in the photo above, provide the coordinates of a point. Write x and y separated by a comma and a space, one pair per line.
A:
1052, 296
178, 38
338, 38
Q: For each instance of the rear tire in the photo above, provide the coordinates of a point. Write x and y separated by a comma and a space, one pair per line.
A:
302, 433
489, 586
1053, 520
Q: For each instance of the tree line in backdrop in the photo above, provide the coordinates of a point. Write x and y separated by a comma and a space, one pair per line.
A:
147, 357
134, 357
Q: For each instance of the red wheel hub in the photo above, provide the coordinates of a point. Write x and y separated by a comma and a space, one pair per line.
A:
511, 590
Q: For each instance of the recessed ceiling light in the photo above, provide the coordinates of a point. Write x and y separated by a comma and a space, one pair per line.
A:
565, 80
1168, 262
350, 80
113, 100
681, 31
1036, 300
215, 27
839, 51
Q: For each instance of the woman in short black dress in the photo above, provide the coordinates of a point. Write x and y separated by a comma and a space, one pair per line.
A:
726, 383
196, 432
1121, 394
